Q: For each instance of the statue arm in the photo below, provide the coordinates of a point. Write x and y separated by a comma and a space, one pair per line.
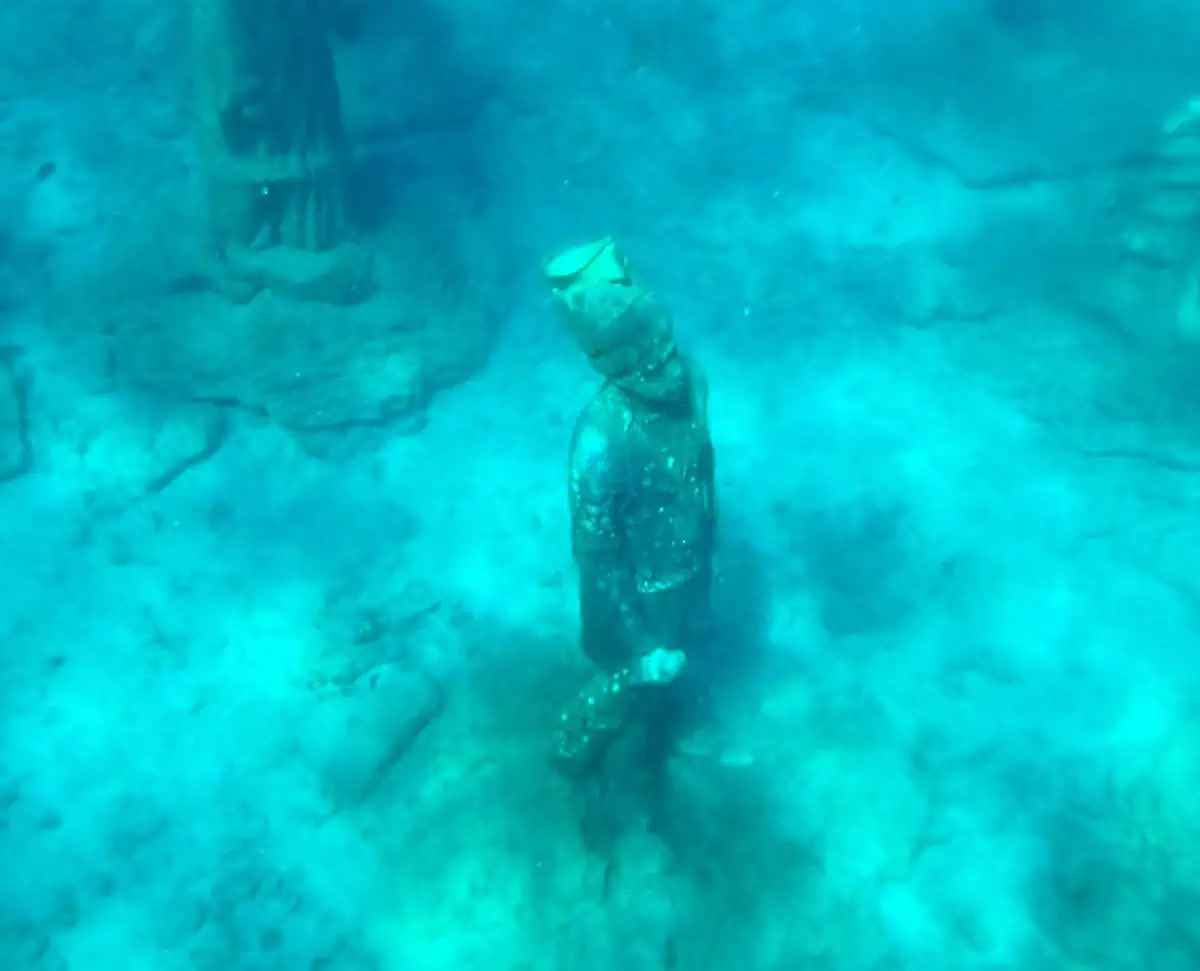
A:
612, 629
605, 705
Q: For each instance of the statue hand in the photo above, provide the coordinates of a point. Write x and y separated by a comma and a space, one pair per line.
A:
660, 666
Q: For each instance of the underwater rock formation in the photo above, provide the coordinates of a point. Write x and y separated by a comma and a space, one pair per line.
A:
273, 151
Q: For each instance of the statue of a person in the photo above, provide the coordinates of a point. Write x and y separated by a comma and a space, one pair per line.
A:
642, 502
273, 149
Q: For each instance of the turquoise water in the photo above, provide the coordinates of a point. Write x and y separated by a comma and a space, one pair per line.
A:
288, 608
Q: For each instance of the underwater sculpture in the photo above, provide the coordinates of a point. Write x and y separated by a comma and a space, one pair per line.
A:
642, 502
273, 150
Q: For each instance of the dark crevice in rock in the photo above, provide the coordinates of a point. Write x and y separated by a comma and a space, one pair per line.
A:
1161, 460
229, 404
356, 737
215, 437
404, 740
1027, 177
410, 418
1168, 463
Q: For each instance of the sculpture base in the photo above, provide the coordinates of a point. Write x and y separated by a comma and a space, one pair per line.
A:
340, 276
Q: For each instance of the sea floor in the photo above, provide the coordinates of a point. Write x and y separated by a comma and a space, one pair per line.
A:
263, 709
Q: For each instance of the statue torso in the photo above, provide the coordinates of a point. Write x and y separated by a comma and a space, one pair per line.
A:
664, 480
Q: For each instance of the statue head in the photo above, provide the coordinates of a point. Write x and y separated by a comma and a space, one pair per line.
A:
624, 330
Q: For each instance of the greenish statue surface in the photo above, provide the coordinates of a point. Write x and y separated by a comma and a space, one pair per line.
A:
642, 500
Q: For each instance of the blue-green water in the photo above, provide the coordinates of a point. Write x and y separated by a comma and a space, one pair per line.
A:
287, 602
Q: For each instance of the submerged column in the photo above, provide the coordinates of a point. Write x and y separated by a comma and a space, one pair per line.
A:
273, 151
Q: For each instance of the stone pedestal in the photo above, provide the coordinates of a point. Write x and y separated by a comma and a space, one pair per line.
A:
326, 372
273, 151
